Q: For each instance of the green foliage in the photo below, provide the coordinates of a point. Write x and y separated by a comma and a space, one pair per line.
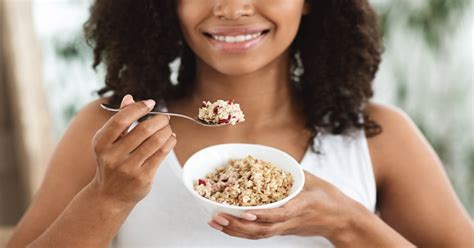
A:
72, 49
70, 111
68, 51
434, 20
437, 19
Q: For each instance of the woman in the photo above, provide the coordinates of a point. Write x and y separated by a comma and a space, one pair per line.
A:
302, 73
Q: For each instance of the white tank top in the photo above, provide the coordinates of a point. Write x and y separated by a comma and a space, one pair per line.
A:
169, 217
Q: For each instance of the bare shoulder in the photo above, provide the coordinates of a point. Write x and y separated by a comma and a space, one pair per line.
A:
91, 116
389, 117
81, 131
399, 141
397, 127
412, 185
76, 143
73, 156
71, 167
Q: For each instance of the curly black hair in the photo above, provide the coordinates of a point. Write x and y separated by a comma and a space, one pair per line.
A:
335, 55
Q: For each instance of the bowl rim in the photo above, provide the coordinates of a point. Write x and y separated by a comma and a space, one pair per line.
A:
264, 206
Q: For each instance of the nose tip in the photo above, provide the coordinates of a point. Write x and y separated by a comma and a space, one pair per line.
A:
233, 9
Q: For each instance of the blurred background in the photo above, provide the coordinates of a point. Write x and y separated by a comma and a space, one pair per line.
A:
46, 77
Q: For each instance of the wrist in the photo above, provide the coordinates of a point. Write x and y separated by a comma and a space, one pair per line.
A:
363, 228
111, 203
351, 226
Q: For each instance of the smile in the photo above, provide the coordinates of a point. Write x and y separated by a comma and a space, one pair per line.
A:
236, 39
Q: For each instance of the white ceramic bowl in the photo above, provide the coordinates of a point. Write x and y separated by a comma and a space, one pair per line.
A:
208, 159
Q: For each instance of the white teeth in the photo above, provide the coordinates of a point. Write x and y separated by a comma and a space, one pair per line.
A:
240, 38
236, 39
230, 39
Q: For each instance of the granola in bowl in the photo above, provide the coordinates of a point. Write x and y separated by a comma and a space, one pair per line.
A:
245, 182
221, 112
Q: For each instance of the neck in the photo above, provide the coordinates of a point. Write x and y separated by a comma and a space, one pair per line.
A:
264, 95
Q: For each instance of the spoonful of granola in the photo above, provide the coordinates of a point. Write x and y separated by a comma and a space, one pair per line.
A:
221, 112
211, 114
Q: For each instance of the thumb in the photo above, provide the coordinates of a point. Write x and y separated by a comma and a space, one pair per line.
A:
312, 181
127, 100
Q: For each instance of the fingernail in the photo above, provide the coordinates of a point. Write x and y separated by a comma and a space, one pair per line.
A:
221, 220
173, 134
150, 104
248, 216
127, 99
215, 226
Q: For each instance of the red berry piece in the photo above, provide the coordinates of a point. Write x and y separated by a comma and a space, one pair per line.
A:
223, 121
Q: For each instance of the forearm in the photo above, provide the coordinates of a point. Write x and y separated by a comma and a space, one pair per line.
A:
368, 230
90, 220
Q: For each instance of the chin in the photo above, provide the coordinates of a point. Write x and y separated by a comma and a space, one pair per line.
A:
236, 71
237, 68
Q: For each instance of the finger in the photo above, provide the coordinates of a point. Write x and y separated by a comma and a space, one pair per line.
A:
215, 225
281, 214
258, 229
140, 133
153, 162
127, 100
273, 215
230, 232
112, 129
239, 235
150, 146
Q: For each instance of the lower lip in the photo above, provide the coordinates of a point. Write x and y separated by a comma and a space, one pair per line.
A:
237, 47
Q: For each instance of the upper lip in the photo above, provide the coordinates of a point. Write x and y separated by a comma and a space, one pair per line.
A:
234, 30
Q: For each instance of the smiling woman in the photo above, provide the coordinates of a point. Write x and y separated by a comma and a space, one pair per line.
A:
302, 72
339, 47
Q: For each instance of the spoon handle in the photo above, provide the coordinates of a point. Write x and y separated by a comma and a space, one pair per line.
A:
157, 113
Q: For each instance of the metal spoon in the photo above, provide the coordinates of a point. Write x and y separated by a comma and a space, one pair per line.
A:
195, 120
